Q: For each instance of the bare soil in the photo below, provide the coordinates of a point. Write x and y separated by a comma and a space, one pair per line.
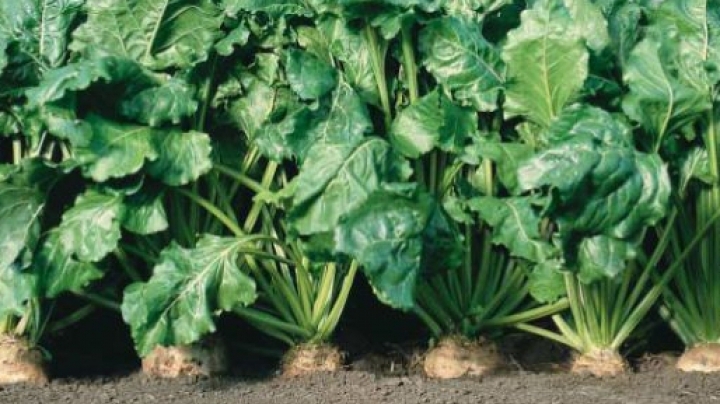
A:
656, 386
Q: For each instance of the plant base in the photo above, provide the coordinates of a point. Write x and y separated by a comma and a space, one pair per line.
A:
19, 362
700, 358
307, 359
206, 358
599, 363
455, 357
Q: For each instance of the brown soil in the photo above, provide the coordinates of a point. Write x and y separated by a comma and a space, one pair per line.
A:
307, 359
599, 363
19, 362
662, 386
455, 357
207, 358
700, 358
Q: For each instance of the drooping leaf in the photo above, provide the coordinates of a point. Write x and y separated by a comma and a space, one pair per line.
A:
395, 238
155, 33
432, 122
20, 214
515, 225
337, 178
547, 63
188, 288
603, 257
58, 271
456, 53
547, 282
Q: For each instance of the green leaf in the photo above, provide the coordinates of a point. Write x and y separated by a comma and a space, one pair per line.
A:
116, 150
309, 76
547, 282
155, 106
696, 166
158, 34
79, 76
603, 257
432, 122
20, 214
547, 63
58, 271
506, 156
590, 21
145, 212
657, 99
515, 225
456, 53
238, 36
188, 288
395, 238
91, 228
182, 157
39, 28
273, 8
337, 178
16, 288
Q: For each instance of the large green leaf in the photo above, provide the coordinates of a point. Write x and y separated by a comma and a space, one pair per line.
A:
456, 53
432, 122
91, 228
590, 21
337, 178
395, 238
273, 8
145, 212
657, 99
515, 225
39, 28
547, 63
16, 288
188, 288
603, 257
547, 282
158, 34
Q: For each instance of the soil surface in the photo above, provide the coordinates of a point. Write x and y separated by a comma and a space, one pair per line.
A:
653, 381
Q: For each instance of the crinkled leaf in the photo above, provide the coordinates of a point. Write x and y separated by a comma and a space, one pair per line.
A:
156, 33
155, 106
116, 150
696, 166
432, 122
182, 157
456, 53
547, 63
394, 237
273, 8
506, 156
188, 288
39, 28
337, 178
91, 228
309, 76
58, 271
515, 225
590, 21
239, 36
16, 288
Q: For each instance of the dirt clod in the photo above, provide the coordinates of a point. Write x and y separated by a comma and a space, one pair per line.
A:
206, 358
19, 362
307, 359
700, 358
600, 363
455, 357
